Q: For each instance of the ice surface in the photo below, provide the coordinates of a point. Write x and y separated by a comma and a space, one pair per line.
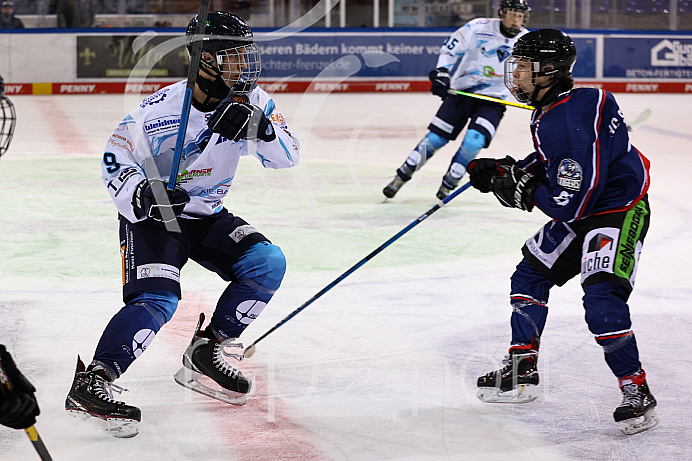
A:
383, 366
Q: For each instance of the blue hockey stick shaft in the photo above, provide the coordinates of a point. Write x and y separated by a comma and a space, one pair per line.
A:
195, 56
250, 350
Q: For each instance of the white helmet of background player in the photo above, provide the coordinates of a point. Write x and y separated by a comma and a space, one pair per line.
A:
542, 59
8, 119
228, 53
514, 15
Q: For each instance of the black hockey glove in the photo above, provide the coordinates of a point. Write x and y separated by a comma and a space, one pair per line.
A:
18, 406
146, 205
514, 187
482, 170
440, 82
239, 120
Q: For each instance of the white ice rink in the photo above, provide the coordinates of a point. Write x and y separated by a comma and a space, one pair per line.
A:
384, 365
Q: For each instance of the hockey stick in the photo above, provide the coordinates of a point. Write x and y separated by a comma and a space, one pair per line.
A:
490, 98
195, 56
250, 350
639, 121
31, 431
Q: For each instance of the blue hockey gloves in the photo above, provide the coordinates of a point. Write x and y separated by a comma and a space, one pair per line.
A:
440, 82
481, 171
239, 120
514, 187
146, 205
18, 406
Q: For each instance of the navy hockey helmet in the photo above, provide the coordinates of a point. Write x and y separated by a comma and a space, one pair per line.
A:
230, 41
506, 6
544, 53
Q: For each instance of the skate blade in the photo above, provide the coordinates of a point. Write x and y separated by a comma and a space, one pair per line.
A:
116, 427
640, 424
524, 393
190, 379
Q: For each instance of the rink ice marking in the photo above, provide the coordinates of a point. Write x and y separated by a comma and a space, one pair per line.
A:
67, 135
261, 429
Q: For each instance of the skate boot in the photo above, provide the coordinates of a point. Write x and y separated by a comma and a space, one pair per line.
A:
636, 412
205, 369
393, 187
450, 182
516, 382
91, 396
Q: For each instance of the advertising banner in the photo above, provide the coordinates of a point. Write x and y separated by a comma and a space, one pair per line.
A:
642, 57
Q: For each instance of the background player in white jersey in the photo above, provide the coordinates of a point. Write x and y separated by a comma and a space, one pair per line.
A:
161, 229
471, 60
586, 175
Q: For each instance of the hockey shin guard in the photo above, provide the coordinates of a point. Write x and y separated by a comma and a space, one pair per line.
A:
259, 273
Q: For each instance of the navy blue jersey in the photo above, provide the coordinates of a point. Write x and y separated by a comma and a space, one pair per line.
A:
584, 160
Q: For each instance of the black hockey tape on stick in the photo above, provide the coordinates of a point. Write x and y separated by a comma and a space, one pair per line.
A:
250, 350
31, 432
195, 57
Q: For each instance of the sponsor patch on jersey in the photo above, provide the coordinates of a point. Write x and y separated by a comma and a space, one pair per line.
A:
162, 124
154, 98
599, 251
166, 271
241, 232
569, 174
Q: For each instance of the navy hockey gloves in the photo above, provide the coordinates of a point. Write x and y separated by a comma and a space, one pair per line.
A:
18, 406
514, 187
146, 206
239, 120
482, 170
440, 82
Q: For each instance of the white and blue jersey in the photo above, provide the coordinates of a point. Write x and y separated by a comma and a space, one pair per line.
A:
143, 144
475, 55
584, 160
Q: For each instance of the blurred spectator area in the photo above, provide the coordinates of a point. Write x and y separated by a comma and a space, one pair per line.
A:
596, 14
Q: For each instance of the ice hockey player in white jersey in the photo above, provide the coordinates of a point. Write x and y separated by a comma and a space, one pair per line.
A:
471, 60
161, 229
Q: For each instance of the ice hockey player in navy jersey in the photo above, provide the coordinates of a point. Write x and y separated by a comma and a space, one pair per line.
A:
587, 176
161, 229
471, 60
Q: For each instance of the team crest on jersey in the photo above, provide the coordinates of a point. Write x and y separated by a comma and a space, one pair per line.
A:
569, 174
503, 53
241, 232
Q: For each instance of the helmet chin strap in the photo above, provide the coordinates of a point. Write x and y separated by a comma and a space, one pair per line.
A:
216, 89
548, 97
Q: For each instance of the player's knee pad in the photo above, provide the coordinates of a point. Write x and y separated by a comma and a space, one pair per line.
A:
435, 140
161, 304
263, 266
473, 142
607, 312
529, 299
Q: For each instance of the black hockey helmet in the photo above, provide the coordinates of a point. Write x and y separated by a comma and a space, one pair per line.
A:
223, 30
513, 5
237, 59
550, 53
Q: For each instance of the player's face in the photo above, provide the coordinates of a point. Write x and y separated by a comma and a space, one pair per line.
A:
513, 19
233, 63
522, 76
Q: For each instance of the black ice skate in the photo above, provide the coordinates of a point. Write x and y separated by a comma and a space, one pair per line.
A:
393, 187
205, 369
636, 412
516, 382
91, 396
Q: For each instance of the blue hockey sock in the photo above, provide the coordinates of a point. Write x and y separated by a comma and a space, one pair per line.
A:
132, 329
258, 273
425, 149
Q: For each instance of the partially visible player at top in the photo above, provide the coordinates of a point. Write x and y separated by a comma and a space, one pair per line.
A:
586, 175
161, 229
471, 60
